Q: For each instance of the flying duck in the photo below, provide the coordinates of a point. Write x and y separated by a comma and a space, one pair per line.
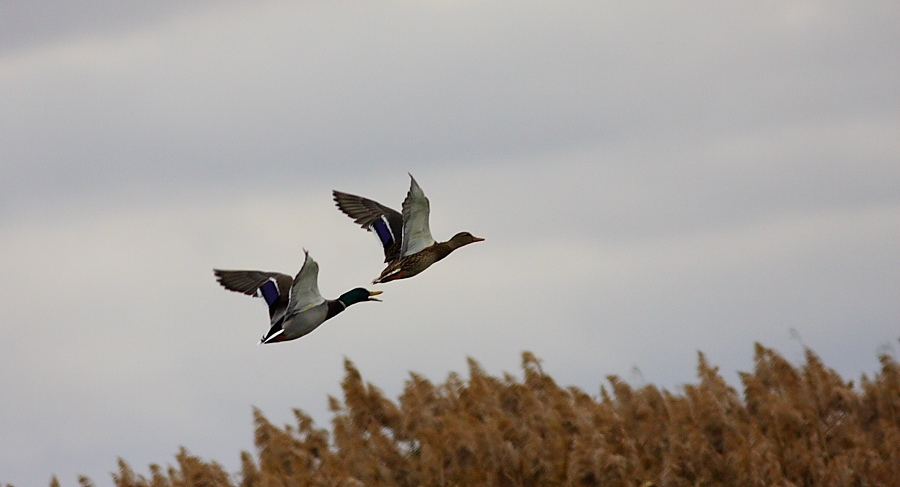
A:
408, 245
295, 306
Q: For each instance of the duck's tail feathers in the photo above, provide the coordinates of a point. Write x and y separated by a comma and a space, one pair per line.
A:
272, 337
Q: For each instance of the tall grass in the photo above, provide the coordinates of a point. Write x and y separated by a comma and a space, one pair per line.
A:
790, 426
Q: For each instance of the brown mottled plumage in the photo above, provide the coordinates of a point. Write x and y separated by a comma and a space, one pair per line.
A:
411, 265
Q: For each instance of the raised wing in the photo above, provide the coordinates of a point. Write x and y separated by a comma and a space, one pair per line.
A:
247, 282
305, 290
416, 234
384, 222
271, 286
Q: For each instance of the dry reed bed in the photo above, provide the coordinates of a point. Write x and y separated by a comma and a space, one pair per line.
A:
793, 426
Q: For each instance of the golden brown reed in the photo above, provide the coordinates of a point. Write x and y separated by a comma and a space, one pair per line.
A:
793, 426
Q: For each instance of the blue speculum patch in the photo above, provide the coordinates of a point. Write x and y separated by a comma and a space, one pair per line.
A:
269, 291
383, 230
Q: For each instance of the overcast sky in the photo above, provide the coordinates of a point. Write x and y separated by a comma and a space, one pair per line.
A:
652, 179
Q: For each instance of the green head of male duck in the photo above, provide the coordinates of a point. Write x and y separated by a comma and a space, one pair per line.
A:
358, 295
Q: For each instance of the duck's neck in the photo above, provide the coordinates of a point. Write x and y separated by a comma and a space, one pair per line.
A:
443, 249
335, 307
344, 300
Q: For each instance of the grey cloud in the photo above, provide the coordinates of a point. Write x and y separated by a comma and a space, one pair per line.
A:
26, 25
293, 88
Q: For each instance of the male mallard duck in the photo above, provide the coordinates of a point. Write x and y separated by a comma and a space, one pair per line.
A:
415, 250
295, 306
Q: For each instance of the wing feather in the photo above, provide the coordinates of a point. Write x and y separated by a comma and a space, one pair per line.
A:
384, 222
248, 282
416, 233
305, 290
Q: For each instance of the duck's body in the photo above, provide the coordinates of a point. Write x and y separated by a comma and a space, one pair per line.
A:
406, 237
410, 265
295, 306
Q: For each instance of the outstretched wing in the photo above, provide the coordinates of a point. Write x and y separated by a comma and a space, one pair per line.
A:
416, 233
271, 286
305, 290
384, 222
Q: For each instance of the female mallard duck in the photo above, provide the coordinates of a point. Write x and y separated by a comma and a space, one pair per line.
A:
415, 250
295, 306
